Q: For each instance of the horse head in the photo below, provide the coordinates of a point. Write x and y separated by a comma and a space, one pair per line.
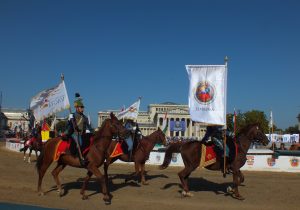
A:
161, 136
116, 127
256, 134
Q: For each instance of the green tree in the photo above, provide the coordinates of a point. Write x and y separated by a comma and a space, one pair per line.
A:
256, 116
292, 129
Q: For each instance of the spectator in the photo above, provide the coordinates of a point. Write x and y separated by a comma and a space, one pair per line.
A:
282, 146
273, 146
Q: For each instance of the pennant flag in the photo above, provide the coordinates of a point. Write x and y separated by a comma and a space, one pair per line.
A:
49, 102
164, 126
53, 124
207, 93
131, 112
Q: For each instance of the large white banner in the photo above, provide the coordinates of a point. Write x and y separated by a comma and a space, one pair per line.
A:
131, 112
207, 93
49, 102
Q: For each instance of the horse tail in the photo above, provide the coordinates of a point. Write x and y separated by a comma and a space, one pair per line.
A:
172, 148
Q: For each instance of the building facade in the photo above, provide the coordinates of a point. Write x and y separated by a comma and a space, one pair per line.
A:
177, 115
16, 117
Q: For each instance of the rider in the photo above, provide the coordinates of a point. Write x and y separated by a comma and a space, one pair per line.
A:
129, 125
78, 125
214, 134
34, 135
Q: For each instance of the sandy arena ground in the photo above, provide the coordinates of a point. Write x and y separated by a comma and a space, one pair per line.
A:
262, 190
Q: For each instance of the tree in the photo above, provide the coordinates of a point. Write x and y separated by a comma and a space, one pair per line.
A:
292, 129
256, 116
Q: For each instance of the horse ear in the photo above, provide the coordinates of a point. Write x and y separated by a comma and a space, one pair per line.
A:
112, 116
158, 129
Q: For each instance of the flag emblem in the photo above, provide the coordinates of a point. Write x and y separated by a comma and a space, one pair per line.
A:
205, 93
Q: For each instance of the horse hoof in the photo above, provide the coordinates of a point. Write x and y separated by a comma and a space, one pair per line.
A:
186, 194
239, 197
107, 202
41, 194
60, 192
145, 183
229, 190
85, 197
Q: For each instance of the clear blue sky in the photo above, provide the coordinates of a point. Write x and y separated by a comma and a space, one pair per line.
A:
114, 51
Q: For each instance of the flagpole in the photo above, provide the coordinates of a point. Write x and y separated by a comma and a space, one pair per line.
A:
224, 159
62, 77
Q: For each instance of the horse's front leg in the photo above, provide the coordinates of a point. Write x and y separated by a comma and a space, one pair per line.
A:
241, 177
29, 156
84, 185
236, 193
102, 181
106, 165
143, 179
183, 176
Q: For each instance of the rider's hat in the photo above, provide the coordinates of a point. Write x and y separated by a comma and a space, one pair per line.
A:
78, 101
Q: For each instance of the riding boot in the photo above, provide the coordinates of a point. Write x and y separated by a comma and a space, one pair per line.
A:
83, 162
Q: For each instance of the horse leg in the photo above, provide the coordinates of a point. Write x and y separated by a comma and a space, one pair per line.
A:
59, 167
143, 179
84, 185
102, 181
134, 174
235, 190
24, 150
106, 165
29, 156
41, 172
183, 176
242, 178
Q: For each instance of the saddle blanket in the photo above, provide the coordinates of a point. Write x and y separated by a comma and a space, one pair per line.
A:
61, 148
117, 150
208, 156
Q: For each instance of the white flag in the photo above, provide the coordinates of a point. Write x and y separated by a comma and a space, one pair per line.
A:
131, 112
49, 102
207, 93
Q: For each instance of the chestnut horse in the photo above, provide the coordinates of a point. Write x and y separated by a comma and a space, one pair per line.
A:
36, 145
140, 155
95, 156
191, 155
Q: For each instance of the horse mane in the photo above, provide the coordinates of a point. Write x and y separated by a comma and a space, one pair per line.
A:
246, 128
98, 133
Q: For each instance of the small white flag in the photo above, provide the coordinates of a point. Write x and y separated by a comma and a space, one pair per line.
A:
131, 112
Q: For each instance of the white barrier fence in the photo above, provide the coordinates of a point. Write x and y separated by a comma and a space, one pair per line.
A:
257, 160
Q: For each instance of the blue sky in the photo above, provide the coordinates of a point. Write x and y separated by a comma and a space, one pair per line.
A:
114, 51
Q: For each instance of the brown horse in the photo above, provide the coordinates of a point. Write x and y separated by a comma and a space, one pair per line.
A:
191, 155
140, 155
95, 156
36, 145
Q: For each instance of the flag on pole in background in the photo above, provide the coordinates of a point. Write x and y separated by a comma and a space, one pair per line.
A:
207, 93
164, 126
131, 112
50, 101
53, 124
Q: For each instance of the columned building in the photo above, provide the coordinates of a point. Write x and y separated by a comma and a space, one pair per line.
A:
16, 117
177, 115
